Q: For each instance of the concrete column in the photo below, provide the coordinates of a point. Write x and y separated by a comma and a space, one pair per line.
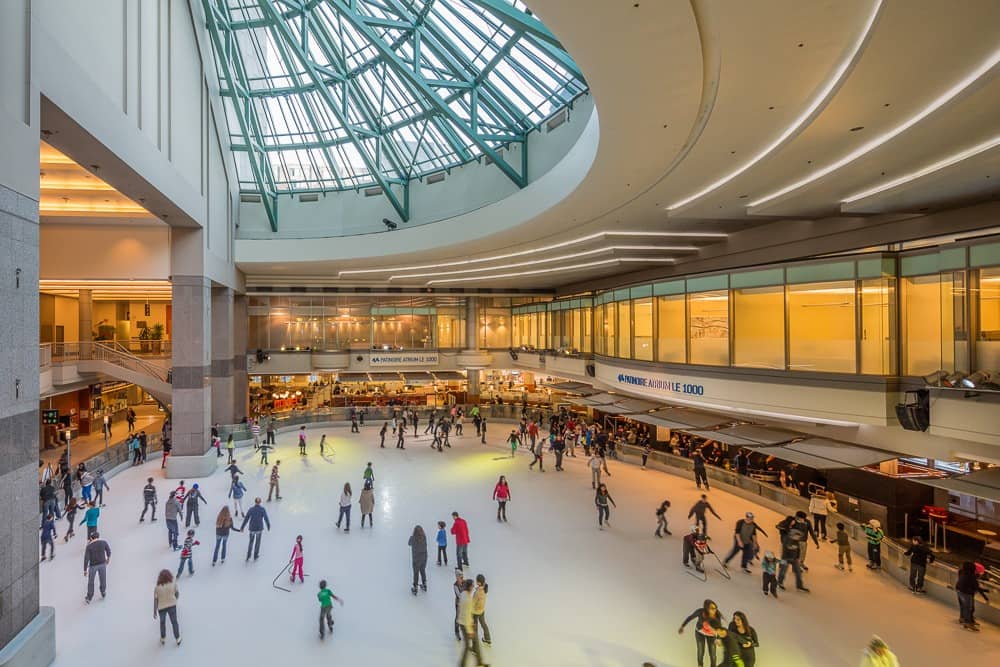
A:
222, 355
86, 321
26, 635
241, 325
192, 393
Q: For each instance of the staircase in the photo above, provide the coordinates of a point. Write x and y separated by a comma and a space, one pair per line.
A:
111, 359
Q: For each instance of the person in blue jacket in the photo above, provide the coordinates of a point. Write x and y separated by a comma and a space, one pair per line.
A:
257, 518
236, 492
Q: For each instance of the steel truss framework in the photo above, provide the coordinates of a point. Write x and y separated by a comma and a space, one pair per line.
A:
328, 95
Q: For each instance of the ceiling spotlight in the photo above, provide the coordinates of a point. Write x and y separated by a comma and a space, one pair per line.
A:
953, 380
935, 378
977, 379
389, 224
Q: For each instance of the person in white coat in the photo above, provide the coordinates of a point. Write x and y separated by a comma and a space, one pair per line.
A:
822, 504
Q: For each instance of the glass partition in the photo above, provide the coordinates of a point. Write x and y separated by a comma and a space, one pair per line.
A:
878, 310
933, 323
642, 319
610, 327
988, 331
624, 329
671, 341
708, 328
821, 327
759, 327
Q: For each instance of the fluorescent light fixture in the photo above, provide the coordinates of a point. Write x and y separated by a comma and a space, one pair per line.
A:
572, 267
560, 258
929, 169
553, 246
803, 118
878, 141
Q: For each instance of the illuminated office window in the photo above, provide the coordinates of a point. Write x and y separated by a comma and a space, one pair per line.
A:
878, 297
821, 330
624, 329
933, 324
988, 334
671, 343
642, 318
759, 327
708, 328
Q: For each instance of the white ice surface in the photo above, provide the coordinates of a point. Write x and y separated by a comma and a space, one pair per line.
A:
561, 592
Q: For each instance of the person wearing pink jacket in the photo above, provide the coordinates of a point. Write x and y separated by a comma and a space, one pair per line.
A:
501, 494
297, 560
460, 529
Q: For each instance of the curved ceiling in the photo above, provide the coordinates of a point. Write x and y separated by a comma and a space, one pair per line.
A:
721, 117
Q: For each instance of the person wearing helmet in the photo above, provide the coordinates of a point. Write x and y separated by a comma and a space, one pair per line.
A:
873, 531
689, 551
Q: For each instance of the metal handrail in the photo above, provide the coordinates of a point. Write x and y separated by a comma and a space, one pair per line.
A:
111, 352
118, 355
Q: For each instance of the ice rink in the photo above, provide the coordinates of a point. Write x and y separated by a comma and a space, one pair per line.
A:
561, 591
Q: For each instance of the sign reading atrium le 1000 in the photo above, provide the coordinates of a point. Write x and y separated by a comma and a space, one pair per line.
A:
404, 359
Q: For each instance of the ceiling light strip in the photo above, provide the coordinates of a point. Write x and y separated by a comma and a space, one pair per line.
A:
561, 258
822, 97
573, 267
878, 141
554, 246
929, 169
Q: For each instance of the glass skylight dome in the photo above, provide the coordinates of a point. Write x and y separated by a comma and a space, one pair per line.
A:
326, 95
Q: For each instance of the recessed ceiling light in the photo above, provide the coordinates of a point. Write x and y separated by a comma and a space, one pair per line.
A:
743, 196
801, 44
770, 108
886, 104
857, 127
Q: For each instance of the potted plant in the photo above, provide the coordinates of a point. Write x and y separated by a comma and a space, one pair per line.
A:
156, 335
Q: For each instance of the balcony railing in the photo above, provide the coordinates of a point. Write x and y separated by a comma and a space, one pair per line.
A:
112, 352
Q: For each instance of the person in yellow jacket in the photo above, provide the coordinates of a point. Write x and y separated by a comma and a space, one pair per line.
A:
877, 654
479, 607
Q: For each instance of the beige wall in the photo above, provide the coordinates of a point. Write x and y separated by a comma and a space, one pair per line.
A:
96, 252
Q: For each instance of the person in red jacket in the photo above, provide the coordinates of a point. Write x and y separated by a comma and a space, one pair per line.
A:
501, 494
460, 529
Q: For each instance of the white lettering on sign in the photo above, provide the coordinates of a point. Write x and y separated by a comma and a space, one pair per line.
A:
404, 359
663, 385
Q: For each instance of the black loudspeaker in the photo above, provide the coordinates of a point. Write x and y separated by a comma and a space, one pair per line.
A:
591, 370
915, 413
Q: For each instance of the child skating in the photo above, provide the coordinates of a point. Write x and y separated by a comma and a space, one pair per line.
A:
442, 544
326, 598
297, 560
186, 552
843, 548
661, 519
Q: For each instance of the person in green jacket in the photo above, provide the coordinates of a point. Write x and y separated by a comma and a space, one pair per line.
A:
326, 598
873, 531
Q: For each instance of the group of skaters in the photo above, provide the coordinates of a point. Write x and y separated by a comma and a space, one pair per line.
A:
736, 642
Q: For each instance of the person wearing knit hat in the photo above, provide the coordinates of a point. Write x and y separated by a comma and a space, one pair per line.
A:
873, 531
877, 654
